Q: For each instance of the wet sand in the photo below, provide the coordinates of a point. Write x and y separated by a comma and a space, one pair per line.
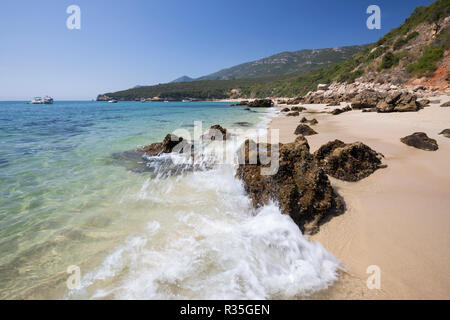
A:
399, 217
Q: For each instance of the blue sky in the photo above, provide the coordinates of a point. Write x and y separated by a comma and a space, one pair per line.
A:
125, 43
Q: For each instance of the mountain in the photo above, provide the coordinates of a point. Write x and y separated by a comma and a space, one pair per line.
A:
183, 79
418, 51
286, 63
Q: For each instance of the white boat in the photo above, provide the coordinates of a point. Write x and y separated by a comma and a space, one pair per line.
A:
39, 100
112, 101
186, 100
143, 100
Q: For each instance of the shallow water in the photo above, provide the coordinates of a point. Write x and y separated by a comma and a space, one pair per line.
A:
68, 199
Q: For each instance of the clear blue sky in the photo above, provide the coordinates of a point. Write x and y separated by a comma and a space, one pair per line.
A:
125, 43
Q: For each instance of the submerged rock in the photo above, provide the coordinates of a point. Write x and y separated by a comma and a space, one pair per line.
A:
301, 188
349, 162
243, 123
446, 133
420, 140
305, 130
261, 103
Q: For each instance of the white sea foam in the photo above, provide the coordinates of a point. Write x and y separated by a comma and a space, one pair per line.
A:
205, 241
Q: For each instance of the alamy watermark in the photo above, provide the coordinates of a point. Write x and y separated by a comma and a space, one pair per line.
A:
73, 22
374, 20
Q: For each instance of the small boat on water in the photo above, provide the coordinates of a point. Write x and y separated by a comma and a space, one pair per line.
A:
143, 100
112, 101
39, 100
186, 100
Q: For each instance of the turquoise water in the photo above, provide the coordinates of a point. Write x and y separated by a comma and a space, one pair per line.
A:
66, 200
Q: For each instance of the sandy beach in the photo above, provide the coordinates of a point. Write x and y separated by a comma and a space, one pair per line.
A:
398, 217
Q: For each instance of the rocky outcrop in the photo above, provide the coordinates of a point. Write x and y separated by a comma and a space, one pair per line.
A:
240, 103
349, 162
399, 101
216, 132
304, 130
296, 100
367, 99
166, 146
261, 103
301, 188
420, 140
445, 132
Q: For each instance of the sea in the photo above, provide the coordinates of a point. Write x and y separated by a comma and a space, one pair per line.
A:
83, 216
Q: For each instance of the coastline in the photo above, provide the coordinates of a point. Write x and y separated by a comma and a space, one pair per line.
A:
397, 218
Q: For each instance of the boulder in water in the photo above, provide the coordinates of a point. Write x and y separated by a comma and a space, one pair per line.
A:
261, 103
166, 146
301, 188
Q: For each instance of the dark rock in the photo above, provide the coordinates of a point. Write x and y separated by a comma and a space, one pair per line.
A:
313, 122
240, 103
216, 132
301, 188
420, 140
446, 133
341, 110
305, 130
166, 146
304, 120
298, 109
261, 103
243, 124
285, 110
293, 114
446, 104
349, 162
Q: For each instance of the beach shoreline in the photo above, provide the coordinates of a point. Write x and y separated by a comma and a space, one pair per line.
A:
397, 218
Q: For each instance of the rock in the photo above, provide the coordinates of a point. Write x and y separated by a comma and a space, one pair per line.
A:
285, 110
369, 110
243, 123
420, 140
349, 162
419, 87
298, 109
399, 101
296, 100
423, 103
367, 99
261, 103
248, 109
304, 120
293, 114
446, 133
305, 130
446, 104
166, 146
340, 110
216, 132
301, 188
322, 86
240, 103
313, 122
